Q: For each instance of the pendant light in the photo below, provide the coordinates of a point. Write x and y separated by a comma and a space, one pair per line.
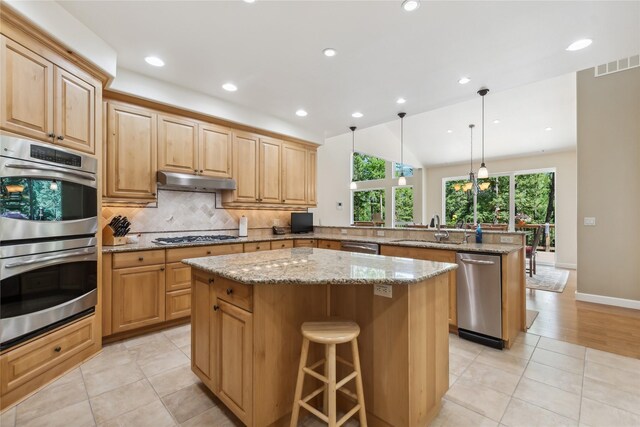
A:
353, 185
402, 180
483, 172
472, 178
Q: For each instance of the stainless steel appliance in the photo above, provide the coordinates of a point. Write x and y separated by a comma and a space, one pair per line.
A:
192, 239
198, 183
360, 247
43, 284
479, 294
45, 191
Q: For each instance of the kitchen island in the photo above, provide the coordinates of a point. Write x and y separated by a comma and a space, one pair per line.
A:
246, 315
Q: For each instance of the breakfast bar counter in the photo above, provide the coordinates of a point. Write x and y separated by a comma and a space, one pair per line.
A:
247, 310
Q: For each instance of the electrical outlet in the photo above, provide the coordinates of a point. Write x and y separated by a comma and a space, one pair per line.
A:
590, 220
343, 231
380, 233
339, 206
506, 239
383, 291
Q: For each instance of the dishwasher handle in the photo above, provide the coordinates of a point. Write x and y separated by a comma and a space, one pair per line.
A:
477, 261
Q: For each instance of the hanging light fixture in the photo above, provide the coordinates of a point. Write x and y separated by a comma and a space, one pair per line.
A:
483, 172
472, 178
402, 180
353, 185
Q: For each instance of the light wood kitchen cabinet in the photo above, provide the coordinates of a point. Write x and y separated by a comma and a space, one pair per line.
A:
46, 102
245, 167
177, 145
270, 187
329, 244
294, 174
131, 152
257, 247
281, 244
438, 255
305, 243
204, 341
312, 174
138, 297
215, 151
178, 304
234, 358
27, 91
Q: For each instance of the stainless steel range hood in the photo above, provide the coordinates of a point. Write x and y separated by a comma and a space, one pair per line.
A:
188, 182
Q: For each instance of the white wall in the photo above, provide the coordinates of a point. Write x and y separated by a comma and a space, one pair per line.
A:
334, 170
565, 164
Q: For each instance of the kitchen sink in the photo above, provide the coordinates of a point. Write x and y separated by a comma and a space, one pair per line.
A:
425, 241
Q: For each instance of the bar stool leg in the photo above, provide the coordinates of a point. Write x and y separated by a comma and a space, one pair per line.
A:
325, 393
332, 385
298, 394
359, 388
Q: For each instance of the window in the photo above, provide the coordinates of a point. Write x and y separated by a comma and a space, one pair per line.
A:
491, 204
367, 168
458, 203
403, 205
408, 170
368, 205
535, 205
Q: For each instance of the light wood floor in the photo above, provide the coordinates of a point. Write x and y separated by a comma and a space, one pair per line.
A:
607, 328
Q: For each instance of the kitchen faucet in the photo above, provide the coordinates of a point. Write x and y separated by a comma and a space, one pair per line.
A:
440, 235
466, 236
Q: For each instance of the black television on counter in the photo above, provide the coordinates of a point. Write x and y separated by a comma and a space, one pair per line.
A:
301, 222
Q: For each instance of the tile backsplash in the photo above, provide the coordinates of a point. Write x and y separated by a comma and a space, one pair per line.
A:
189, 211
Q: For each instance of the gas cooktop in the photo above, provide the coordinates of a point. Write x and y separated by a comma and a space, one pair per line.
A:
192, 239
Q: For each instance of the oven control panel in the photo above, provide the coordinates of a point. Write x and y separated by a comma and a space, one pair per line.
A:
52, 155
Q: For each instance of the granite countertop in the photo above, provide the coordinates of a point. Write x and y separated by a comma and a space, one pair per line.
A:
394, 241
313, 266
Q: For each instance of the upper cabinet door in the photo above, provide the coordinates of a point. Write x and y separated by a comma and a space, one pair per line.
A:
26, 91
215, 154
270, 190
177, 145
312, 165
131, 152
74, 112
294, 174
245, 166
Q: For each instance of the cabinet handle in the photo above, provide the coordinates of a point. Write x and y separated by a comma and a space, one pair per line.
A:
153, 194
258, 247
201, 170
208, 252
58, 349
141, 259
211, 280
229, 291
60, 137
161, 268
216, 307
283, 200
195, 170
51, 135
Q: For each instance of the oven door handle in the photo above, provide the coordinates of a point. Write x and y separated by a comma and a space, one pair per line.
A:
85, 251
79, 174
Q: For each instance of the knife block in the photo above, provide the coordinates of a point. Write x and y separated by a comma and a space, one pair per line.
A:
108, 239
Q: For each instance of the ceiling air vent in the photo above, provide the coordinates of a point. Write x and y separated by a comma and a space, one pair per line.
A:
619, 65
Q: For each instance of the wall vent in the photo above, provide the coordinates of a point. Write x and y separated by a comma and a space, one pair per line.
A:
619, 65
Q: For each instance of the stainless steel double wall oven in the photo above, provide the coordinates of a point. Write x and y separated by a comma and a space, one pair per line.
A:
48, 246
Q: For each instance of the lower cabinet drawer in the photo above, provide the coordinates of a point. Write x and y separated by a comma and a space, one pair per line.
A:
305, 243
39, 356
281, 244
178, 304
329, 244
178, 276
255, 247
137, 259
238, 294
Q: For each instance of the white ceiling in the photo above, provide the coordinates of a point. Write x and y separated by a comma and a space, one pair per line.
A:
272, 51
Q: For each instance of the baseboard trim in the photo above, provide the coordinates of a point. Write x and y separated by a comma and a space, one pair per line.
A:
566, 266
601, 299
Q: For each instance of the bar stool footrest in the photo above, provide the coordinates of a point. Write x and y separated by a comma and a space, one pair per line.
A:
346, 379
348, 393
314, 393
348, 415
314, 411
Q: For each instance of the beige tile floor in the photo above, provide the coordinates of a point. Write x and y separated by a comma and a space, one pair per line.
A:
147, 381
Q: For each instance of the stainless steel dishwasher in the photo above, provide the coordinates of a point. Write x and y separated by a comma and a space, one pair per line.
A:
365, 248
479, 292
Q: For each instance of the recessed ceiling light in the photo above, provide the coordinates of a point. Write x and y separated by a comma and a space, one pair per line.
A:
329, 52
357, 114
410, 5
496, 121
155, 61
301, 113
401, 101
449, 131
464, 80
579, 44
229, 87
548, 129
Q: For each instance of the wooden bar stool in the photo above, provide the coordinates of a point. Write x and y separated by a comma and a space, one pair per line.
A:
330, 334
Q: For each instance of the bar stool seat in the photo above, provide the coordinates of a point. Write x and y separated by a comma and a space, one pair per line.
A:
330, 334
